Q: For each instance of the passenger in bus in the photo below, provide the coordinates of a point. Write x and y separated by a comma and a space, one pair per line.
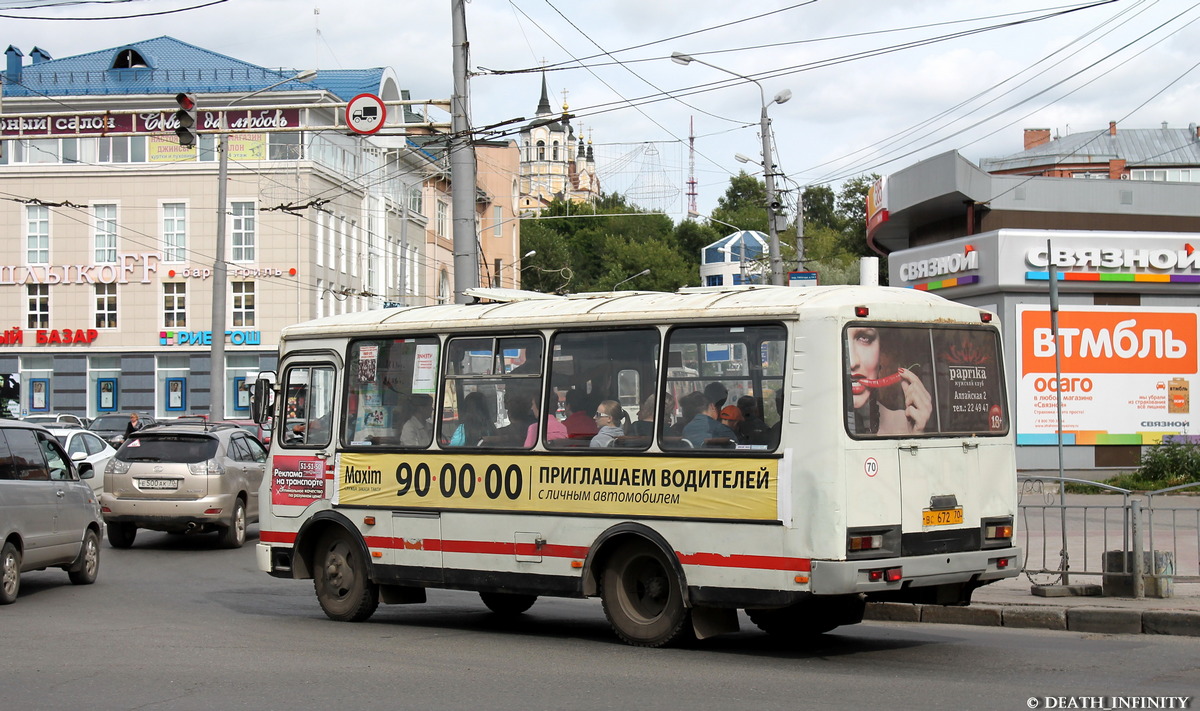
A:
580, 422
703, 430
554, 427
717, 393
417, 431
610, 417
644, 425
474, 423
869, 376
520, 403
754, 429
732, 418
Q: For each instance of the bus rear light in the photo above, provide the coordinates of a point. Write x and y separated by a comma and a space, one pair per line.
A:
996, 531
1002, 563
862, 311
887, 575
866, 543
985, 316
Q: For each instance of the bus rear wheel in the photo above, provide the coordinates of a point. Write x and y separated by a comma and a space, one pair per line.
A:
344, 589
507, 603
642, 596
811, 616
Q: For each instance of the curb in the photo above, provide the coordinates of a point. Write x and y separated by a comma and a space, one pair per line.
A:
1097, 620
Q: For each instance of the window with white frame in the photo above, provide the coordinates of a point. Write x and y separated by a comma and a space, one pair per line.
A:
38, 309
497, 221
355, 239
106, 305
443, 217
174, 304
174, 232
243, 303
242, 216
105, 233
416, 199
37, 234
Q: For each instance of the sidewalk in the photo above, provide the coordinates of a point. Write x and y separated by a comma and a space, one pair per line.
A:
1009, 603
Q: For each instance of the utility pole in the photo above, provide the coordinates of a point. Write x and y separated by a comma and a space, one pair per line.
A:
772, 205
462, 162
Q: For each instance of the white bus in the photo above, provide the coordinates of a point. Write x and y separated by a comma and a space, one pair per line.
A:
450, 446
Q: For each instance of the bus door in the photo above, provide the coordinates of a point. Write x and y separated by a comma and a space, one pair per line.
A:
303, 444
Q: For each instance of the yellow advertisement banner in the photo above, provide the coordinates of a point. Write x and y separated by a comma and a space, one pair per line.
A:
616, 486
242, 147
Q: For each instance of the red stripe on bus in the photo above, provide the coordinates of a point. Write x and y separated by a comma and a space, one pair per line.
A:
506, 548
276, 537
760, 562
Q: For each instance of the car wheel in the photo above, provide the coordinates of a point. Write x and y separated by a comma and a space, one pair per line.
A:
10, 573
86, 569
121, 535
234, 535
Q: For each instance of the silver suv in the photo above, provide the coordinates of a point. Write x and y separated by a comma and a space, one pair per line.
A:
49, 518
184, 479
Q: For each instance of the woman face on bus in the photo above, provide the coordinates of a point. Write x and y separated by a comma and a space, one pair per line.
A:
864, 362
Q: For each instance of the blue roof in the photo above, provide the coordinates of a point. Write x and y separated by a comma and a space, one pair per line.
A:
743, 246
170, 66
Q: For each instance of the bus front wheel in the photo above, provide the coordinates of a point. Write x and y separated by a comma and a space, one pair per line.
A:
642, 596
345, 591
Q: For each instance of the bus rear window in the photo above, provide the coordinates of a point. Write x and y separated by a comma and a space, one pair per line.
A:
907, 381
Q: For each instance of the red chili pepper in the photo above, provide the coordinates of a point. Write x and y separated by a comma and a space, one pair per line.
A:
879, 382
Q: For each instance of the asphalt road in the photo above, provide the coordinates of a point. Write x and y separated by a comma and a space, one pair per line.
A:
175, 623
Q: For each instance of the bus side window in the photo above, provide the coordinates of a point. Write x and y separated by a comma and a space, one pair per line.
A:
591, 367
492, 388
719, 382
390, 392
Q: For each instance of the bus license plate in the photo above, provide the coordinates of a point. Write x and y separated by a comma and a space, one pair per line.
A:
948, 517
158, 483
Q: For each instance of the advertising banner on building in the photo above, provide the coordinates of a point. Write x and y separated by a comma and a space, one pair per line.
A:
1126, 374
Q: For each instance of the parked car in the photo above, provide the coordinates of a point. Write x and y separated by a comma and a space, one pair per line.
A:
260, 432
88, 451
52, 419
184, 479
111, 428
49, 516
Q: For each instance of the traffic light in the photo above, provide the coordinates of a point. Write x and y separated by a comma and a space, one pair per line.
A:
186, 118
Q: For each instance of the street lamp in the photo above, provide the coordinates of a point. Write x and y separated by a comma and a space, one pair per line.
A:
642, 273
768, 165
216, 411
516, 270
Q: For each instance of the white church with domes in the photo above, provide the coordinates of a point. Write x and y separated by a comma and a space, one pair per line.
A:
555, 163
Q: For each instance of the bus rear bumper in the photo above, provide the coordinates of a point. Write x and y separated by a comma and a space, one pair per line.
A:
914, 577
